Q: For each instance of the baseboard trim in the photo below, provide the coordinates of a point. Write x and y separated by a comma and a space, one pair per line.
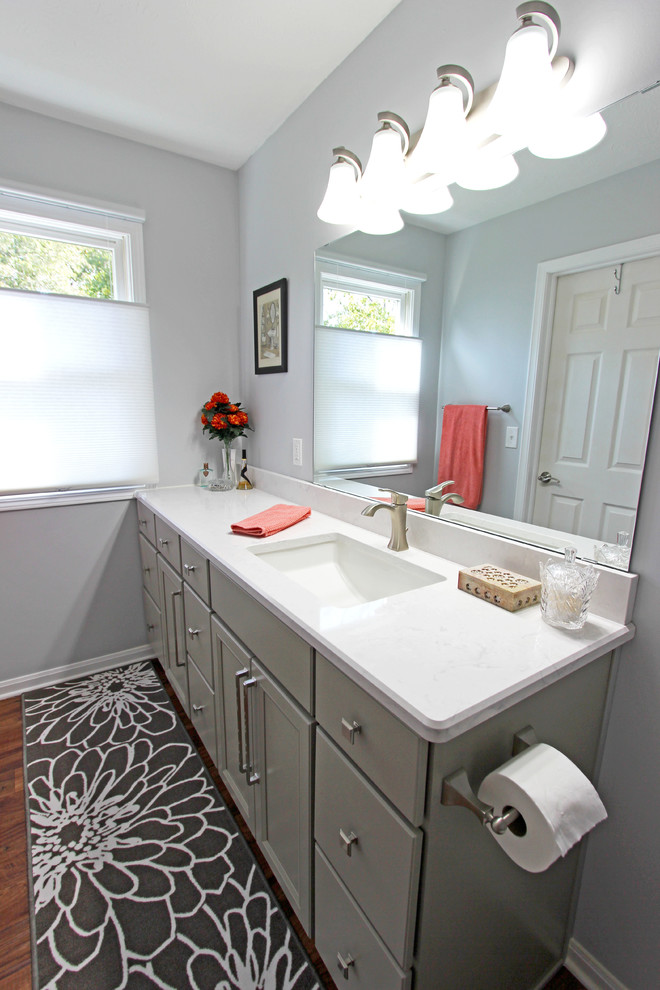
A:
44, 678
588, 970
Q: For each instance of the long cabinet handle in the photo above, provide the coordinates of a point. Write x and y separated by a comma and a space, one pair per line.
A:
179, 663
240, 675
250, 774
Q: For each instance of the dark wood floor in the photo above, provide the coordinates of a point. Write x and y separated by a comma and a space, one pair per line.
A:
15, 968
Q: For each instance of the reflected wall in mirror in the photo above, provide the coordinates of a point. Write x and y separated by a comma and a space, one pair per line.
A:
487, 306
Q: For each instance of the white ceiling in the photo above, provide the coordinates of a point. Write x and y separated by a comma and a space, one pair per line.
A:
212, 79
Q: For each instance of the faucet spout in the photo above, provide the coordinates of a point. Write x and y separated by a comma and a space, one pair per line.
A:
436, 498
397, 510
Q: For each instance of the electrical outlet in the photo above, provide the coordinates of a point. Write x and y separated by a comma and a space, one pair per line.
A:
297, 452
511, 439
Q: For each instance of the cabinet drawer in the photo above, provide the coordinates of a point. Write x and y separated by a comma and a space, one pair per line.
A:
152, 619
146, 522
342, 930
167, 543
198, 632
390, 753
360, 832
149, 559
195, 570
286, 655
202, 707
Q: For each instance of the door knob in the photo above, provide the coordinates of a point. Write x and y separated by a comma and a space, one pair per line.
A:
546, 478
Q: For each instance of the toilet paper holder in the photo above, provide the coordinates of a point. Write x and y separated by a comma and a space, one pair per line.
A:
458, 792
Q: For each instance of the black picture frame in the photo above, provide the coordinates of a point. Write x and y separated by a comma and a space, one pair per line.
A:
270, 310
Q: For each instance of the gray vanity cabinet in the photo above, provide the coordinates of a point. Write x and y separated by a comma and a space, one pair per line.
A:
265, 759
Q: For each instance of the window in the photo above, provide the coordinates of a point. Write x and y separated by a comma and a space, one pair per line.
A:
76, 394
367, 362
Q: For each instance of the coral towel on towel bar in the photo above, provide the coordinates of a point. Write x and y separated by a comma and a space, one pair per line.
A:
462, 448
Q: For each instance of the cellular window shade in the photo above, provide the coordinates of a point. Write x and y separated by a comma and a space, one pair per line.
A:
76, 401
366, 399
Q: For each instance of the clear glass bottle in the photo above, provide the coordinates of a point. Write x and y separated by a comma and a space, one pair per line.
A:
205, 475
566, 590
616, 555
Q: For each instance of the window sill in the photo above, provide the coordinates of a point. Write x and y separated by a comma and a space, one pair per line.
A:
48, 500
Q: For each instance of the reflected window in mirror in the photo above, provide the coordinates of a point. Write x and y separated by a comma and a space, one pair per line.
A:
367, 368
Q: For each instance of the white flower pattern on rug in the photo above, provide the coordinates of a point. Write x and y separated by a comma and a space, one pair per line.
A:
140, 877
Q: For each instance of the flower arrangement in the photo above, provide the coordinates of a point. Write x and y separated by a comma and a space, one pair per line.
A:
223, 419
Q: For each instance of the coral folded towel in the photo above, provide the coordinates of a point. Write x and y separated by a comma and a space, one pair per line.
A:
462, 448
271, 520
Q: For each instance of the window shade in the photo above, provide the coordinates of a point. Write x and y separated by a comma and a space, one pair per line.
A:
76, 400
366, 399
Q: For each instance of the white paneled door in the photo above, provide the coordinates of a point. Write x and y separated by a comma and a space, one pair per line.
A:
601, 384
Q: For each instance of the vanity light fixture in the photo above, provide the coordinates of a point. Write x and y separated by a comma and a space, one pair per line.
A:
472, 146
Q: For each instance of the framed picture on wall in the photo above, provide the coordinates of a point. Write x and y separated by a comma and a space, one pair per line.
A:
270, 328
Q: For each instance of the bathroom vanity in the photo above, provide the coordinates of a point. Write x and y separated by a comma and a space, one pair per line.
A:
333, 722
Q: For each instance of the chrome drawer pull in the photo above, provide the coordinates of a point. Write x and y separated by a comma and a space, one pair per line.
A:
198, 708
345, 964
350, 730
150, 627
143, 522
349, 840
193, 632
146, 569
163, 543
189, 568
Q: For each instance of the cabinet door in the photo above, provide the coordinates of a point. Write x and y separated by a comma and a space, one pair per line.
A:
174, 644
153, 622
282, 746
231, 668
202, 707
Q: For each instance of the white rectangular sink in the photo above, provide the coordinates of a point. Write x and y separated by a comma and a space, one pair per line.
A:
343, 572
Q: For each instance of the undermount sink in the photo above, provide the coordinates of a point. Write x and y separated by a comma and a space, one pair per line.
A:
343, 572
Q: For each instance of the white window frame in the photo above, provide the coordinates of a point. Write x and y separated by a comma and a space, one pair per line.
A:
356, 275
39, 212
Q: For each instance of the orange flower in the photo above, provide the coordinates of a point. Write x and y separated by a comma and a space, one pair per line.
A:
219, 398
242, 418
209, 405
218, 422
204, 420
232, 408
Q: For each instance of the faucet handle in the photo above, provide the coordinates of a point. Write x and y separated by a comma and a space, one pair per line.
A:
398, 498
433, 492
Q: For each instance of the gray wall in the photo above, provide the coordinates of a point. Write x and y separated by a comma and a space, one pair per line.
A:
489, 299
280, 190
71, 574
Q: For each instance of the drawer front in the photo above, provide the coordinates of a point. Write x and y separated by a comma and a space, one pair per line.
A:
149, 559
146, 522
390, 753
343, 935
167, 543
152, 619
198, 632
202, 707
287, 656
195, 570
373, 849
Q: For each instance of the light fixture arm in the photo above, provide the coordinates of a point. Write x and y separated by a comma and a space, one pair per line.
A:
389, 119
344, 155
538, 12
461, 78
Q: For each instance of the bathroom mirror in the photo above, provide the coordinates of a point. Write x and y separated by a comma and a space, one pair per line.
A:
478, 281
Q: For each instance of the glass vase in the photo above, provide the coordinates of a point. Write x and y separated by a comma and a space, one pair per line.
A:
225, 481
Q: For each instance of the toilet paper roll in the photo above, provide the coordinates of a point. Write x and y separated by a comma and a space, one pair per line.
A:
557, 802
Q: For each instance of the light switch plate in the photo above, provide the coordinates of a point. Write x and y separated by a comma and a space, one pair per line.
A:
511, 439
297, 452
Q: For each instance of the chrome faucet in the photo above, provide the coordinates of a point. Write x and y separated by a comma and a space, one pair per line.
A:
398, 510
435, 500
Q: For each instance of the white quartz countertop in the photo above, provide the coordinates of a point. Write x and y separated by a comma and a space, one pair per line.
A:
437, 657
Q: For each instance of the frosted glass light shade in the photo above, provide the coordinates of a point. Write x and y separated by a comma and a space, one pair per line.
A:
384, 175
427, 196
379, 217
526, 85
487, 171
441, 148
566, 136
342, 198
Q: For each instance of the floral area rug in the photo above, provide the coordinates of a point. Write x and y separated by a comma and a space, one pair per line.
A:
140, 877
